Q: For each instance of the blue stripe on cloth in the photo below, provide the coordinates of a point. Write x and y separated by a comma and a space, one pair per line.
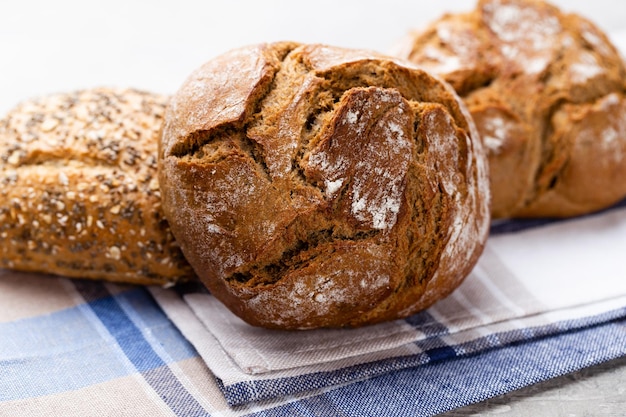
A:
39, 375
517, 225
426, 323
56, 333
441, 353
138, 349
443, 386
434, 349
164, 337
66, 350
246, 392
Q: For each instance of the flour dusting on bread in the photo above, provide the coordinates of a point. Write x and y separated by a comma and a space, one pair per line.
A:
343, 188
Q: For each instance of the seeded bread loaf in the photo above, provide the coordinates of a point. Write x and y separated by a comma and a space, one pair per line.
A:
312, 186
79, 194
547, 92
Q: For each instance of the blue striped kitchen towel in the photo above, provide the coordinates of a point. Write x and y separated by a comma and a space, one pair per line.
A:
77, 348
534, 279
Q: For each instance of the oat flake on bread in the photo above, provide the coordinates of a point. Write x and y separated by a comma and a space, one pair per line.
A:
313, 186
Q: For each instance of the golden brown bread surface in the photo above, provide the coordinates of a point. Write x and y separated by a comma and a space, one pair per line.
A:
312, 186
79, 194
547, 92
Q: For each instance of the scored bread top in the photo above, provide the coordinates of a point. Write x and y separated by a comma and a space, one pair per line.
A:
313, 186
79, 194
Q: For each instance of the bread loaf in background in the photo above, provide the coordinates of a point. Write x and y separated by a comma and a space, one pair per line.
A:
547, 91
314, 186
79, 194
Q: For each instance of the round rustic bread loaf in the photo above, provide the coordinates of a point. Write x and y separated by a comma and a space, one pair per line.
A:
546, 90
312, 186
79, 194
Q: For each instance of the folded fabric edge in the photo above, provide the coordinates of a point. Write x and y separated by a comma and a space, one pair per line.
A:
384, 337
440, 356
432, 350
447, 385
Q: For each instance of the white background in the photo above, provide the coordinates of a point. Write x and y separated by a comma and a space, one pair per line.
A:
63, 45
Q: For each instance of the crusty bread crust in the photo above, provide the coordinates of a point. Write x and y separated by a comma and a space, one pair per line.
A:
547, 91
79, 194
313, 186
